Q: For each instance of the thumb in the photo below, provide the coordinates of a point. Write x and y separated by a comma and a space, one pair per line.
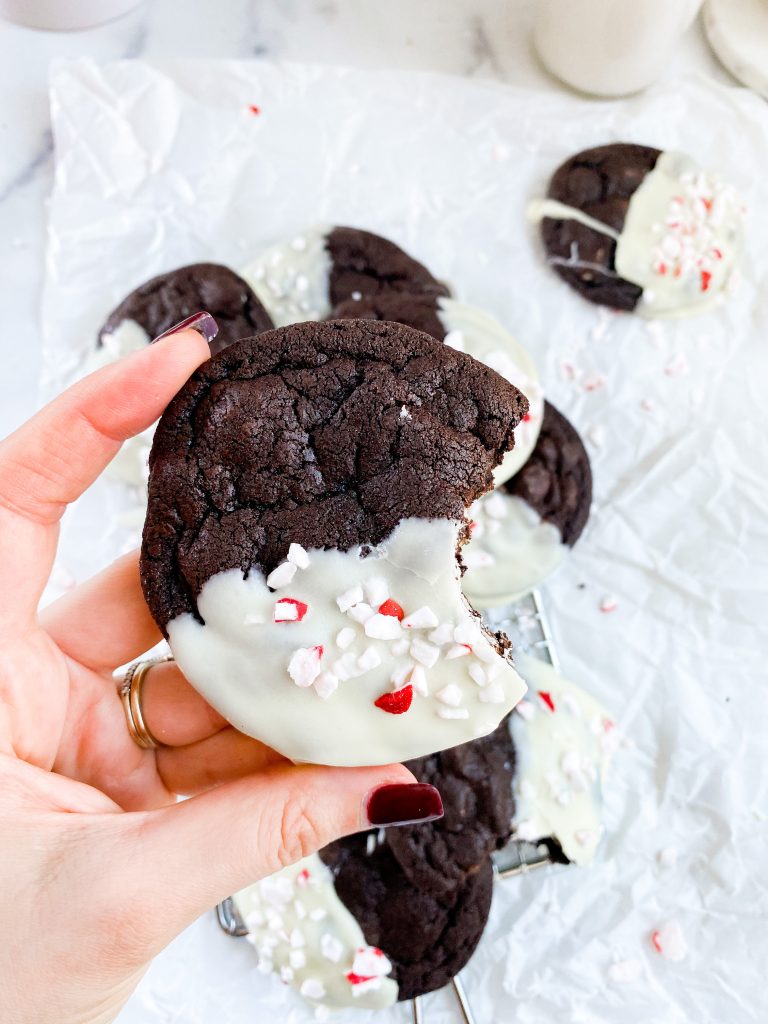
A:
192, 855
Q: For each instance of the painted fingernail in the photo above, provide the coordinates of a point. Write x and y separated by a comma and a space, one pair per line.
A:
202, 322
404, 804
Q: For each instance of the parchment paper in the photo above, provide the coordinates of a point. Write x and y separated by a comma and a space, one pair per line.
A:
160, 166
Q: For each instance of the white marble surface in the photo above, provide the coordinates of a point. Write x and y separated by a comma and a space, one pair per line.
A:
466, 37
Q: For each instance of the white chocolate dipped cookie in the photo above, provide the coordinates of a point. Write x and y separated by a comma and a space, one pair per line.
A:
636, 228
304, 934
522, 532
564, 741
304, 277
307, 499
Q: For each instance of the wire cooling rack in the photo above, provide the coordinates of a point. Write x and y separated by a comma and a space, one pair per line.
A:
527, 626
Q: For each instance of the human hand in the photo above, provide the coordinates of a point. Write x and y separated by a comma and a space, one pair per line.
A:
100, 867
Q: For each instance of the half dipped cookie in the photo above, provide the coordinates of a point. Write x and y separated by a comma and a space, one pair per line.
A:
307, 500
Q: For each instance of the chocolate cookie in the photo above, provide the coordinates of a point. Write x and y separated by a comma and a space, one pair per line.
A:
167, 299
556, 480
522, 532
630, 226
427, 939
475, 782
470, 330
305, 277
306, 502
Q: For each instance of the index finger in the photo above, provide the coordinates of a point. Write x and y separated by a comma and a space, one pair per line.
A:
49, 461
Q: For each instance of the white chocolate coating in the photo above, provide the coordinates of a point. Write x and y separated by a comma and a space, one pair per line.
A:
562, 761
303, 932
291, 278
477, 333
303, 689
681, 238
511, 550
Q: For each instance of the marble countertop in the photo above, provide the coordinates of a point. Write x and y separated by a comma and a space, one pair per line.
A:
489, 38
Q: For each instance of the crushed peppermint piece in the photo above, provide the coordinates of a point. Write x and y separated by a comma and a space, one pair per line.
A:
304, 666
396, 703
356, 296
667, 857
466, 633
677, 365
297, 939
312, 988
450, 695
593, 382
349, 598
493, 694
583, 836
286, 973
546, 698
401, 675
288, 609
525, 709
484, 652
318, 914
442, 635
425, 653
669, 941
400, 647
609, 603
418, 679
382, 627
478, 674
302, 879
453, 712
281, 576
345, 637
361, 612
298, 556
297, 959
369, 659
458, 651
376, 591
422, 618
370, 962
345, 667
326, 684
331, 948
391, 608
624, 972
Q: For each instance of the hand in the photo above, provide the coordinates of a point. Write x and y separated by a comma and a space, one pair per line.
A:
99, 866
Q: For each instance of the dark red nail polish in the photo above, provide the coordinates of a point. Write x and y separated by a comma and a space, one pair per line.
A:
404, 804
202, 322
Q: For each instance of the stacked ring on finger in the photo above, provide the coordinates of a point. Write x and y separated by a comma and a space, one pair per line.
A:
130, 695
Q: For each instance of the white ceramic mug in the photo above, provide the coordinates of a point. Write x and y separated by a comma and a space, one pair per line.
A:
64, 14
610, 47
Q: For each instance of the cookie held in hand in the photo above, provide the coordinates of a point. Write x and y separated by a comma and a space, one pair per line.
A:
306, 505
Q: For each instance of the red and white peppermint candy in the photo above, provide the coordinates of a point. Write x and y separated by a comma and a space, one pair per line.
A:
289, 609
418, 680
304, 666
350, 598
442, 635
361, 612
669, 941
425, 653
450, 695
370, 962
493, 694
345, 637
458, 651
376, 591
382, 627
369, 659
326, 684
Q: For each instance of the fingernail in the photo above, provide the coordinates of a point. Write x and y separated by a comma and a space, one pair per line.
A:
202, 322
404, 804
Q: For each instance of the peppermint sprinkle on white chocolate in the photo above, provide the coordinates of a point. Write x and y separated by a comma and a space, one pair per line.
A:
382, 641
304, 934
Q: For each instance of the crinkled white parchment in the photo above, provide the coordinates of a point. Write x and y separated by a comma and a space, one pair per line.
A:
160, 166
